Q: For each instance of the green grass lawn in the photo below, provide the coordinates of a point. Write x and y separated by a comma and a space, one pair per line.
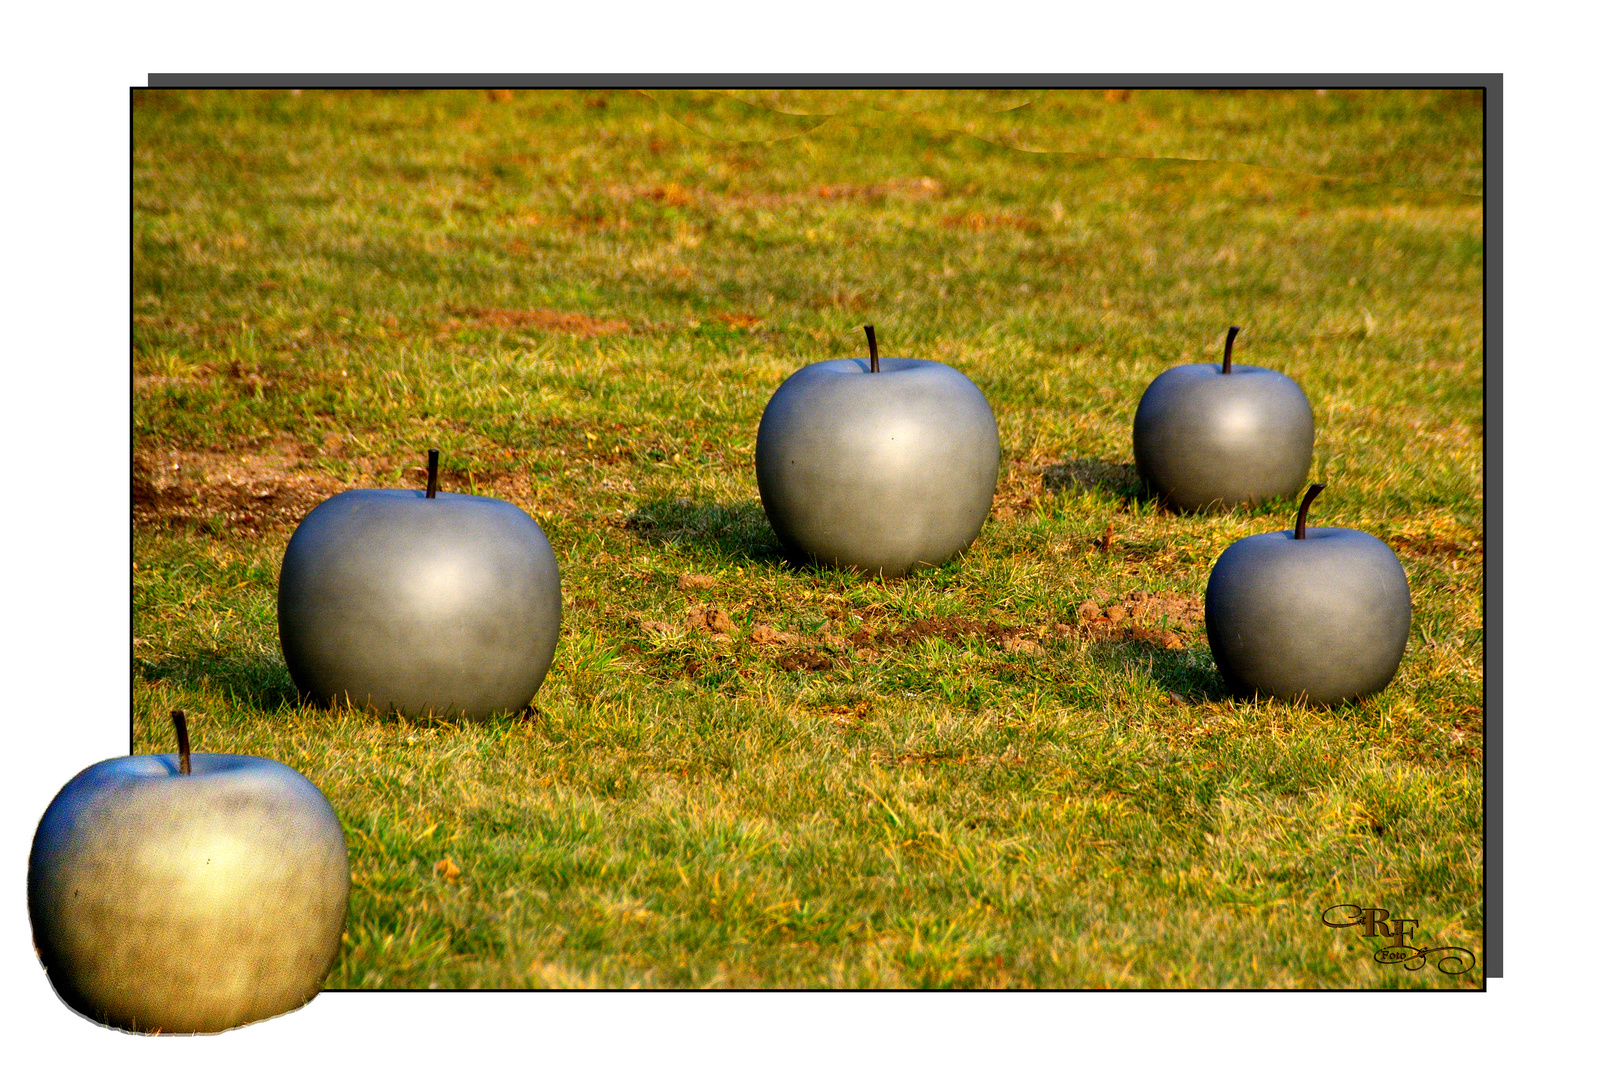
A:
1017, 770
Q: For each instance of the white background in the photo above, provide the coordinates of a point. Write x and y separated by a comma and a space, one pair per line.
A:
64, 392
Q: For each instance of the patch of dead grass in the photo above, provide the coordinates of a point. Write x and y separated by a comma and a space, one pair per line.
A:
1440, 537
1162, 619
556, 322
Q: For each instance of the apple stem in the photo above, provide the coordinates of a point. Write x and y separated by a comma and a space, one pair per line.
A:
1303, 508
870, 338
1230, 340
178, 716
432, 474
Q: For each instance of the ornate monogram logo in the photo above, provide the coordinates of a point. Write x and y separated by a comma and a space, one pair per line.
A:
1453, 961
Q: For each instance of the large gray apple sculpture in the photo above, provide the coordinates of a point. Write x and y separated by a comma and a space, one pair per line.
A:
1212, 435
423, 603
188, 893
1317, 613
882, 467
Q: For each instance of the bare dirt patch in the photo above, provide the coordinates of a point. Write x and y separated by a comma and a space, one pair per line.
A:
905, 189
910, 188
251, 491
513, 484
709, 620
804, 660
952, 629
1447, 545
687, 582
768, 635
975, 222
1162, 619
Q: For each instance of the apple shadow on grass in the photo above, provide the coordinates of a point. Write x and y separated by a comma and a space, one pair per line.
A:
265, 684
1187, 674
1119, 480
260, 681
1083, 475
1191, 677
736, 531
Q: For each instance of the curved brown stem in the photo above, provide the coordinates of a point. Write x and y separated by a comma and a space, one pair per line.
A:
178, 716
1230, 340
870, 338
432, 474
1303, 509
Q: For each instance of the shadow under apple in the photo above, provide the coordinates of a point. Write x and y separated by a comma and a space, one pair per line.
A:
1188, 674
1083, 475
1120, 481
260, 681
736, 531
265, 684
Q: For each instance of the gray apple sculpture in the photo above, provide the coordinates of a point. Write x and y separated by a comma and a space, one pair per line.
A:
1209, 435
187, 893
420, 602
882, 468
1321, 614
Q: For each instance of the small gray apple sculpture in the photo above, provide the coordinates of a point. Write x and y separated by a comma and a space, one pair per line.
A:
1311, 613
1209, 436
423, 603
187, 893
881, 468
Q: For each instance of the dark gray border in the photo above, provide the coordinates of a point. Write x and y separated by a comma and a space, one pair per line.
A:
1493, 437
